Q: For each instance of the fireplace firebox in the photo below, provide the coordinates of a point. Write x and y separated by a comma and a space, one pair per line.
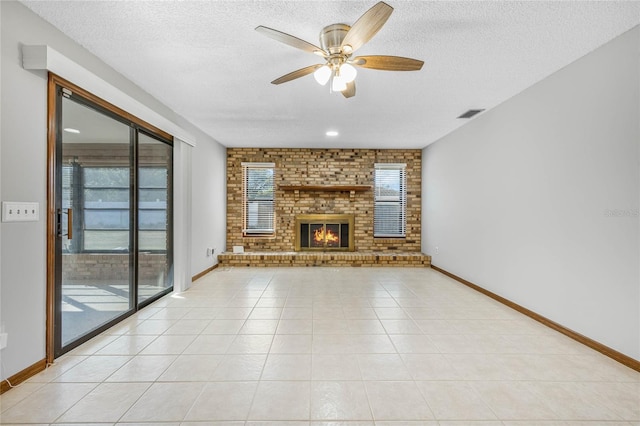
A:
324, 232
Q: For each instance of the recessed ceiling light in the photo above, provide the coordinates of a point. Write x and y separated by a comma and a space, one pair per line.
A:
331, 133
70, 130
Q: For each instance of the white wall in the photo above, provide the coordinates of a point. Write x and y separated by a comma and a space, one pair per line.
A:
182, 154
209, 206
517, 199
23, 147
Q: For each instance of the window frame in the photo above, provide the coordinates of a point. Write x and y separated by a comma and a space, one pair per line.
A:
399, 200
167, 209
82, 209
247, 231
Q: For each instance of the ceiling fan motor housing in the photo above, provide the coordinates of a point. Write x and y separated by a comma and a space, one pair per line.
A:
331, 37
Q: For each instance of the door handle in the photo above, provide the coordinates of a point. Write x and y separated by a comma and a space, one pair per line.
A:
69, 233
69, 224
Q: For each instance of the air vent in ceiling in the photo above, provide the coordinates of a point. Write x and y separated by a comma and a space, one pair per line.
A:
471, 113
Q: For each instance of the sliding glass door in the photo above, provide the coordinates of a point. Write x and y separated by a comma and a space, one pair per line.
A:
155, 272
113, 245
95, 274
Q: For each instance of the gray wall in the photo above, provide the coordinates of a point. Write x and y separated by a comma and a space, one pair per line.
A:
520, 200
23, 178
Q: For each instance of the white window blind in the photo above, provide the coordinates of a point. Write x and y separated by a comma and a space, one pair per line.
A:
390, 200
258, 205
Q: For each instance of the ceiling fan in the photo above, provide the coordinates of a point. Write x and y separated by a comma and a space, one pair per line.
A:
338, 43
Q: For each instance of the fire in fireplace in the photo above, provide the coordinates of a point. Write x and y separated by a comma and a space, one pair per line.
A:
321, 235
324, 232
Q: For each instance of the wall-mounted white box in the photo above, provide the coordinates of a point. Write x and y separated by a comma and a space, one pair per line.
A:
13, 211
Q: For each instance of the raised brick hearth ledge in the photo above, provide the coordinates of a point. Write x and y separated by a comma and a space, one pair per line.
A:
411, 259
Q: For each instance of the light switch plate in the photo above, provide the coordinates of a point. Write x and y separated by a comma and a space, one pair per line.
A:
13, 211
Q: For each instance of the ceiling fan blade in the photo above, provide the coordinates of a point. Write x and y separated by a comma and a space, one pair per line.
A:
350, 91
291, 40
296, 74
387, 63
367, 26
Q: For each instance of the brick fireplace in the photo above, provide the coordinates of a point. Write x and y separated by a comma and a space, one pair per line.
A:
323, 182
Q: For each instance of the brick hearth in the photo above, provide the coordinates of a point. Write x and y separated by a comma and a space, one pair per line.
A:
324, 259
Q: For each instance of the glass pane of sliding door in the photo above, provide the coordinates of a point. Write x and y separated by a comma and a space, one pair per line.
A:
155, 264
94, 271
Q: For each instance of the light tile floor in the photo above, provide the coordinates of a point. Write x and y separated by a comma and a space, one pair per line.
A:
324, 346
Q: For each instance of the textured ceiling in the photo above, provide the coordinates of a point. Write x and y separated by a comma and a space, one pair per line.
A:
205, 61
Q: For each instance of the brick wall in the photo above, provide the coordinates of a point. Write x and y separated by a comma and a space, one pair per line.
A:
323, 167
111, 266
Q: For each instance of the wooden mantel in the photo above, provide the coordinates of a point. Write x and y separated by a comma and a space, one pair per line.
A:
327, 188
351, 189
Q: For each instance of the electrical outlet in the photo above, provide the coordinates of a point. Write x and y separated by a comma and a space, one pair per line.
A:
20, 212
437, 250
4, 337
208, 252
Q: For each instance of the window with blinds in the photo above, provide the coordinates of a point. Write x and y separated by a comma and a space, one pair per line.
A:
258, 203
390, 200
105, 208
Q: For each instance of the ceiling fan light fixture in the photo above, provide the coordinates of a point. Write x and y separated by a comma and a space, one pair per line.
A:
348, 72
338, 84
322, 74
